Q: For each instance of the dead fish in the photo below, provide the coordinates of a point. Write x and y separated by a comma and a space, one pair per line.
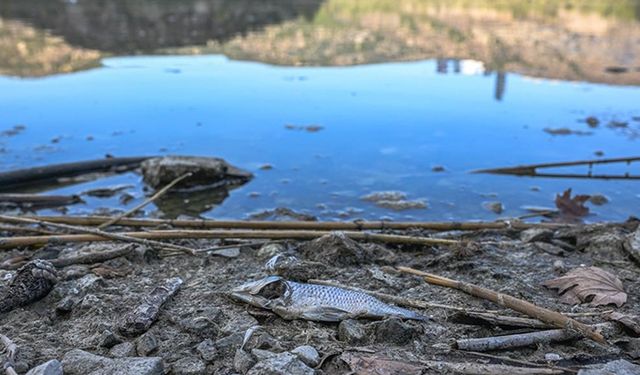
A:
291, 300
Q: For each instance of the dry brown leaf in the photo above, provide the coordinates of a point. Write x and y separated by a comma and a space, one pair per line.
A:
373, 365
581, 284
632, 322
572, 208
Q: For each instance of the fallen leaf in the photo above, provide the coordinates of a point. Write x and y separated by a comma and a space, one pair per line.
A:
632, 322
373, 365
581, 284
572, 208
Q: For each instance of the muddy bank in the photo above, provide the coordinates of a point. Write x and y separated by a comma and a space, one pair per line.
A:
201, 330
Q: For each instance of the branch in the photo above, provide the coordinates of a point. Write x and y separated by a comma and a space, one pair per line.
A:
153, 198
95, 233
545, 315
298, 225
149, 237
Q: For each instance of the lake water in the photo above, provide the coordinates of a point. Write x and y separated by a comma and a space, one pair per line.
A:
384, 126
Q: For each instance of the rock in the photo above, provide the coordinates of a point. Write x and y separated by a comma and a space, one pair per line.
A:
632, 347
618, 367
307, 354
269, 250
207, 350
281, 364
202, 322
243, 361
292, 268
257, 338
334, 249
226, 346
52, 367
74, 271
632, 245
189, 366
261, 354
281, 214
536, 234
206, 172
384, 196
552, 357
32, 282
79, 362
146, 344
549, 248
395, 200
352, 332
592, 121
598, 199
437, 168
125, 349
108, 339
238, 323
495, 207
395, 331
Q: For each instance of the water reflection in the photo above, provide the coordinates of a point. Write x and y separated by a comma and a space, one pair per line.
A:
590, 40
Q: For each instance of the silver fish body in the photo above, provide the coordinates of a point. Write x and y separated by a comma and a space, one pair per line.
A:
292, 300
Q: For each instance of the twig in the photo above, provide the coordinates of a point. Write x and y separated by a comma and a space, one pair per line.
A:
11, 349
400, 301
299, 225
531, 169
548, 316
95, 233
94, 257
519, 361
488, 369
142, 317
523, 339
152, 199
501, 320
18, 229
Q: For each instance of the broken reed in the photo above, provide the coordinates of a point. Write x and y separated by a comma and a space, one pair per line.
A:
297, 225
11, 242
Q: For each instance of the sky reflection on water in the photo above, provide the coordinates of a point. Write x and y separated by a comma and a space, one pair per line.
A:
385, 127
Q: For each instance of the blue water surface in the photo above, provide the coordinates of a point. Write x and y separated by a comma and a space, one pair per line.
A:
384, 127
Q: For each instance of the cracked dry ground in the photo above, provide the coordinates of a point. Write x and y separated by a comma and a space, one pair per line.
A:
200, 330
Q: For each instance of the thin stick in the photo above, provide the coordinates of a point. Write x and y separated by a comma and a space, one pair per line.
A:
484, 344
11, 349
18, 229
101, 235
518, 361
95, 235
152, 199
94, 257
530, 169
548, 316
400, 301
299, 225
501, 320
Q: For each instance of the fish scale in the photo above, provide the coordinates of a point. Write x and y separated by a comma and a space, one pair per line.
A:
317, 302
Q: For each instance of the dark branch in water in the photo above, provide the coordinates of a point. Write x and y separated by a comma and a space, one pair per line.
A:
52, 173
531, 169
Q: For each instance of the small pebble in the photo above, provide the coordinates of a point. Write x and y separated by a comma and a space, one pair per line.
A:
552, 357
